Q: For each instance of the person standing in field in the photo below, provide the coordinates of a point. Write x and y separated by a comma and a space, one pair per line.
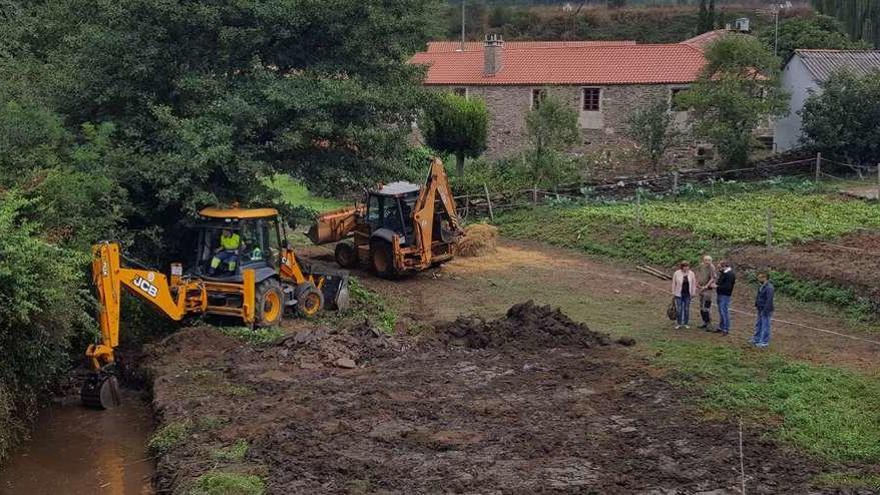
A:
684, 288
764, 305
724, 288
706, 276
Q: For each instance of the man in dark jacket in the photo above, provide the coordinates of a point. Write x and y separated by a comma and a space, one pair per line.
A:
764, 305
724, 287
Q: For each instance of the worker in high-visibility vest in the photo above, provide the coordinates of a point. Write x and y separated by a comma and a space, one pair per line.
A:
227, 253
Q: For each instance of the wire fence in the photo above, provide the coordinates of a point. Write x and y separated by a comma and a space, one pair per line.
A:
487, 203
859, 180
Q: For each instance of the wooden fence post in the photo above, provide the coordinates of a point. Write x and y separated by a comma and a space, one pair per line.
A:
818, 166
878, 182
534, 194
489, 201
467, 204
638, 207
675, 182
769, 227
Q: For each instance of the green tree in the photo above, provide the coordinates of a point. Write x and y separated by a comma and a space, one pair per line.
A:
552, 129
809, 33
842, 119
653, 127
209, 99
737, 90
458, 125
860, 18
41, 309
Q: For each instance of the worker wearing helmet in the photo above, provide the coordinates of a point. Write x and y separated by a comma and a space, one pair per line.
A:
227, 253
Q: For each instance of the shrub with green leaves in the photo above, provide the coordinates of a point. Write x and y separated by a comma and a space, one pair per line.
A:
42, 308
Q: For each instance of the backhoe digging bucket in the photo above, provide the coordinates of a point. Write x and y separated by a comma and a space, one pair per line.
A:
335, 290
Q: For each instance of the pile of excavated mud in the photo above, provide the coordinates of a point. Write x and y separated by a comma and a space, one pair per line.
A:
526, 325
345, 348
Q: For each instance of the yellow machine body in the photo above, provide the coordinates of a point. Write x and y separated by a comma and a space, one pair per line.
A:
179, 296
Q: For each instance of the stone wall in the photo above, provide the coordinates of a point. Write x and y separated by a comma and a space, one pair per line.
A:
602, 130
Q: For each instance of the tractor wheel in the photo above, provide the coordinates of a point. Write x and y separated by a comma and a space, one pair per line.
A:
382, 259
100, 391
309, 300
346, 255
270, 303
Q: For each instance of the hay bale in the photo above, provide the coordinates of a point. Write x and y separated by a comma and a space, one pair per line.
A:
479, 239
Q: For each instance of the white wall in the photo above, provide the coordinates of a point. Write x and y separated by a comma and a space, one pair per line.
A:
796, 80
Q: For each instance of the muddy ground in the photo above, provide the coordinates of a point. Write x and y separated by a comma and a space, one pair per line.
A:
530, 403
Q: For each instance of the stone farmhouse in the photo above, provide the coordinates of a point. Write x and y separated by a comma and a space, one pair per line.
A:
605, 80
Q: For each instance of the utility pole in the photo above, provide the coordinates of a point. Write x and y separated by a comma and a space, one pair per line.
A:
462, 25
776, 32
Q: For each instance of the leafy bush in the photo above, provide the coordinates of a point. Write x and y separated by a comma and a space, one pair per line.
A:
41, 308
457, 125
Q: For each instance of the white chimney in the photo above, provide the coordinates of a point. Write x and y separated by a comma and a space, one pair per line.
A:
493, 55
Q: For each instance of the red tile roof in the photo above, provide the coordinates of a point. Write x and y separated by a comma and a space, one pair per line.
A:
702, 40
477, 46
579, 65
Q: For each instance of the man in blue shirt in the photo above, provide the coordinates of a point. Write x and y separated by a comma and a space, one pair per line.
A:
764, 305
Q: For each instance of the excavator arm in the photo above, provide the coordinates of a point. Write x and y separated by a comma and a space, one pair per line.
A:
437, 184
109, 278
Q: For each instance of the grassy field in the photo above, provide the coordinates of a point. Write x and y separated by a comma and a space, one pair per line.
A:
829, 412
297, 194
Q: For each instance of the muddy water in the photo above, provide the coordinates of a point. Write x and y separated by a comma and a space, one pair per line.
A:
76, 451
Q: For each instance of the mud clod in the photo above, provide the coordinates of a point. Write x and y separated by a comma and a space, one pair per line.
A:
526, 326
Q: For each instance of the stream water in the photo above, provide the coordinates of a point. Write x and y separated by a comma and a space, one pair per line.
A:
74, 450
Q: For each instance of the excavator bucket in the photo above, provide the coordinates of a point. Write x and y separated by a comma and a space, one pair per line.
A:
335, 290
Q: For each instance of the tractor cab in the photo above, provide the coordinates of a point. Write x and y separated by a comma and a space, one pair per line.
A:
260, 241
391, 207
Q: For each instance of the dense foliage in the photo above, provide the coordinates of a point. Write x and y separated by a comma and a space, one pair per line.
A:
737, 90
552, 127
120, 119
645, 24
654, 128
843, 118
457, 125
42, 307
861, 18
808, 33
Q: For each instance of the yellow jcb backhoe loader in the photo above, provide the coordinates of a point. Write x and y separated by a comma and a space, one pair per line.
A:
258, 281
400, 227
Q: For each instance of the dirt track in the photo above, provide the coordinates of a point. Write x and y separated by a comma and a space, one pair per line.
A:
446, 412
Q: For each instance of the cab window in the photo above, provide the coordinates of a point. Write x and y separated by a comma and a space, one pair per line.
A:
374, 211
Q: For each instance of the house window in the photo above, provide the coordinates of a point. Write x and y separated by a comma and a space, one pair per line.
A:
463, 92
592, 99
674, 106
537, 96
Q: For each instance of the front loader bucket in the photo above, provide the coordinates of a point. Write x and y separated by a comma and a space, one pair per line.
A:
335, 290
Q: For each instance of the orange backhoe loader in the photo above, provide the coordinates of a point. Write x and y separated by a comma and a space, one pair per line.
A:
399, 228
260, 279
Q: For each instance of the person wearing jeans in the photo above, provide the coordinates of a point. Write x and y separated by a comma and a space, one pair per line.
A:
706, 280
724, 289
764, 305
684, 288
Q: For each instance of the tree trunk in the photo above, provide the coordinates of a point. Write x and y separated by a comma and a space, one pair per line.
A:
459, 164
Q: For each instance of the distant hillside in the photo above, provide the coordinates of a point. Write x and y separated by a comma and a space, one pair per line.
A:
653, 24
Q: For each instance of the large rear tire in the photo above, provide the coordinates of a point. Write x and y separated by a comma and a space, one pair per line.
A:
346, 255
309, 300
270, 303
382, 259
